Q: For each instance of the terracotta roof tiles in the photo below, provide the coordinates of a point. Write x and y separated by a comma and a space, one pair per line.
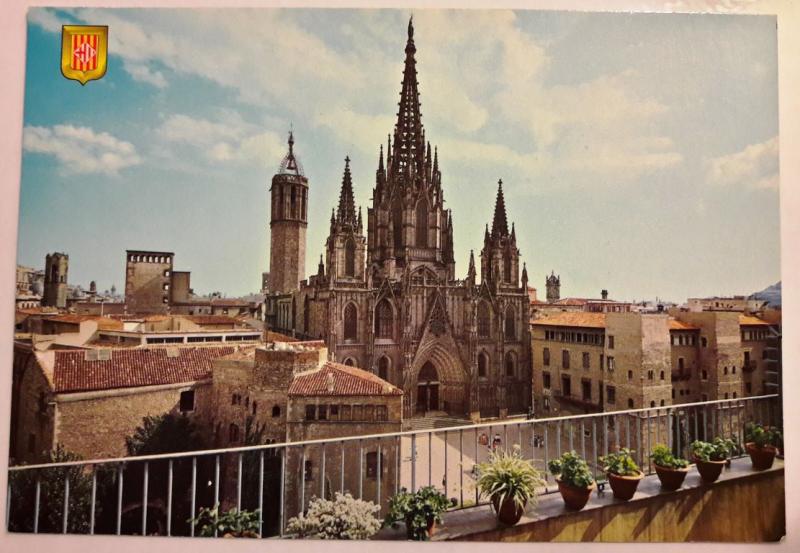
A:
577, 319
749, 320
343, 381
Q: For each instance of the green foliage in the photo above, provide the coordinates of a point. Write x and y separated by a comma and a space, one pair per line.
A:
344, 518
234, 522
571, 469
51, 500
761, 435
662, 456
167, 433
718, 450
620, 463
508, 475
416, 508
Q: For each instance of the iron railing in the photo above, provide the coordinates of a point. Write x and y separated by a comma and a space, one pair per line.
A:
156, 494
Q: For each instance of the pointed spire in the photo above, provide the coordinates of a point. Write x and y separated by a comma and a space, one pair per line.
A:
500, 222
380, 160
408, 144
359, 218
471, 270
486, 234
346, 213
290, 164
435, 159
513, 233
321, 267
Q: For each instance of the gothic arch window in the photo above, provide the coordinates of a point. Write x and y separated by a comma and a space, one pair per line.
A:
350, 322
276, 411
383, 367
422, 224
483, 364
507, 268
350, 362
350, 258
511, 364
384, 319
397, 222
484, 320
510, 326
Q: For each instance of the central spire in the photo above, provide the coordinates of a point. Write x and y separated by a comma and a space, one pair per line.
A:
500, 222
409, 147
346, 213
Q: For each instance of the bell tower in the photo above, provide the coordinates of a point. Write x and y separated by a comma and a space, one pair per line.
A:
288, 222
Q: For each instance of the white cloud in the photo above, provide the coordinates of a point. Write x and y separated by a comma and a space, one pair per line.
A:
45, 19
755, 166
81, 149
141, 72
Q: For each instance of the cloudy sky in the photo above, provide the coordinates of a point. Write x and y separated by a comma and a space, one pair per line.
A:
638, 152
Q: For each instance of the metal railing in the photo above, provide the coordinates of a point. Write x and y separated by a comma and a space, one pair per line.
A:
157, 494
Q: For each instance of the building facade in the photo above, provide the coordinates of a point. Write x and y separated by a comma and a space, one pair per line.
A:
386, 297
56, 270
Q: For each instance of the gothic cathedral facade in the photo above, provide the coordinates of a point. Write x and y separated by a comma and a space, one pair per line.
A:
389, 300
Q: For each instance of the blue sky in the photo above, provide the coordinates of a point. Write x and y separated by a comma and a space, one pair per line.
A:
638, 152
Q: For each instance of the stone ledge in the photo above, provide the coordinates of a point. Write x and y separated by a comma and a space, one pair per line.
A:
480, 523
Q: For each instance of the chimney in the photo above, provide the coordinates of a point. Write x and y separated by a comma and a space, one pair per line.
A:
604, 294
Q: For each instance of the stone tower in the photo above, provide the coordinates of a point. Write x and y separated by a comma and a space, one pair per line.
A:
553, 284
56, 266
288, 222
346, 246
500, 256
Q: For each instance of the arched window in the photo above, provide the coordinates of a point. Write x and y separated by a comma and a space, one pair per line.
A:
383, 368
294, 202
510, 364
484, 320
630, 403
510, 327
350, 258
350, 322
397, 221
349, 362
233, 433
422, 224
383, 319
483, 364
276, 411
507, 268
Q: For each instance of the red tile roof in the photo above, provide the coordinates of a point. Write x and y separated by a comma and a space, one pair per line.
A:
749, 320
343, 381
129, 368
104, 323
675, 324
572, 301
574, 319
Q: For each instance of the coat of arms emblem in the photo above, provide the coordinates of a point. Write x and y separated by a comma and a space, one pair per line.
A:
84, 52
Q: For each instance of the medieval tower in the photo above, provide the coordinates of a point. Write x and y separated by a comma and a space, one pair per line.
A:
553, 284
56, 266
288, 222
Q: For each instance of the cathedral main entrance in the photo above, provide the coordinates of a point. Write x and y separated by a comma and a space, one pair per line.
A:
427, 389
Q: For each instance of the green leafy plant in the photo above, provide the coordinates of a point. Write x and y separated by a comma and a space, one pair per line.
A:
662, 456
571, 469
417, 509
343, 518
506, 475
234, 523
718, 450
620, 463
762, 436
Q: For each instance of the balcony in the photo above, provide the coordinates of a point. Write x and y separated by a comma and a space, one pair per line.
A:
156, 494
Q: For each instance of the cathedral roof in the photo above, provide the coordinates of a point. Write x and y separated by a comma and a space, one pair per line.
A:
409, 144
290, 164
500, 222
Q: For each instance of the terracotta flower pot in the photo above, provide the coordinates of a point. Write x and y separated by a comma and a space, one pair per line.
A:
575, 498
671, 479
762, 457
624, 486
429, 529
508, 512
709, 470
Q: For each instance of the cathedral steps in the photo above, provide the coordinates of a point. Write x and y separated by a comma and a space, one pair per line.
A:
433, 420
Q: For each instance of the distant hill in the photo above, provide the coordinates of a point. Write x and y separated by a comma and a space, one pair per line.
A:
772, 294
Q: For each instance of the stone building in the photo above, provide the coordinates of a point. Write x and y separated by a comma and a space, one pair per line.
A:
386, 297
148, 276
56, 268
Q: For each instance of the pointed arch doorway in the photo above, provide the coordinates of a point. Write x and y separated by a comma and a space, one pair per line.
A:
427, 389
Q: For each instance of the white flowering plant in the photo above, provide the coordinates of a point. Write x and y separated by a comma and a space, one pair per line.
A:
343, 518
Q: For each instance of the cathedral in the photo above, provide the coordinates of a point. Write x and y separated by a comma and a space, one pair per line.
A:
388, 299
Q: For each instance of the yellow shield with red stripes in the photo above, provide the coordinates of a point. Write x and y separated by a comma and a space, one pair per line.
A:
84, 52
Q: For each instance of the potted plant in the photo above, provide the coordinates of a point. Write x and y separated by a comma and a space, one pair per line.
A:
420, 511
710, 457
671, 470
575, 482
230, 524
510, 482
761, 444
623, 473
343, 518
